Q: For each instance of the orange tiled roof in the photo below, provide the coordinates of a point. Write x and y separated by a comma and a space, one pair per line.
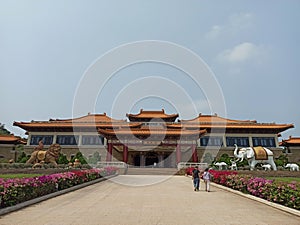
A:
152, 114
10, 139
291, 141
90, 118
103, 121
89, 121
215, 121
148, 132
241, 125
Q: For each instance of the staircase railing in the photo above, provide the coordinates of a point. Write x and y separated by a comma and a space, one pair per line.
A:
182, 165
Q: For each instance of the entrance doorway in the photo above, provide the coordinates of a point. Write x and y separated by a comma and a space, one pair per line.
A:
137, 160
151, 159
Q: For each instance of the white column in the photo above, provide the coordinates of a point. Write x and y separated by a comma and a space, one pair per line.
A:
54, 138
276, 141
198, 142
250, 141
80, 139
224, 141
29, 139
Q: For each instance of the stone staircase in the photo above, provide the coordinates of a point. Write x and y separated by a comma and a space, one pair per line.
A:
151, 171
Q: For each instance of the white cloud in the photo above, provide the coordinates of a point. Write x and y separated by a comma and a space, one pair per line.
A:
214, 32
244, 52
235, 24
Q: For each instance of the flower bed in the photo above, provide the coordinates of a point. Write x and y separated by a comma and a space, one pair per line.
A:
17, 190
287, 194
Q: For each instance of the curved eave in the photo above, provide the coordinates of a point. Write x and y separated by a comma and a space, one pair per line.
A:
174, 116
279, 127
90, 118
10, 139
292, 141
147, 132
122, 125
144, 114
215, 119
68, 126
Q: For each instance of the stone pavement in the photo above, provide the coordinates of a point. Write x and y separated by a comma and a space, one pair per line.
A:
148, 199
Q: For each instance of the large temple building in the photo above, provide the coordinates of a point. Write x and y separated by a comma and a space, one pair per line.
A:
152, 137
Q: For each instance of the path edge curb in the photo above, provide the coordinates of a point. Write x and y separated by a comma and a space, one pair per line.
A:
272, 204
10, 209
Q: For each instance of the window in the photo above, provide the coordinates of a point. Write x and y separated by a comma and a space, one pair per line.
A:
211, 141
92, 140
67, 139
239, 141
47, 139
264, 141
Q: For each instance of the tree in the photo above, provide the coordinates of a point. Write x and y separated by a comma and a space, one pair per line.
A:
23, 158
225, 158
81, 158
282, 160
3, 130
62, 159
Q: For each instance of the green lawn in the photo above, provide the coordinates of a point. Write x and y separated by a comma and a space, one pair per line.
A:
20, 175
285, 179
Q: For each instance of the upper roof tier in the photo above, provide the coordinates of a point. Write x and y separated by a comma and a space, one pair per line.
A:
217, 122
147, 116
215, 119
89, 118
90, 121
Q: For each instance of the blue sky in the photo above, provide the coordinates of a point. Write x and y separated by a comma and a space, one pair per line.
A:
251, 47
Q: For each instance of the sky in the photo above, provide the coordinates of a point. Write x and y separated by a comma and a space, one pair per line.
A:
250, 51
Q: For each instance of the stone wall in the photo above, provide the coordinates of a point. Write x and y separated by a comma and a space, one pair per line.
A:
218, 152
70, 151
7, 152
293, 154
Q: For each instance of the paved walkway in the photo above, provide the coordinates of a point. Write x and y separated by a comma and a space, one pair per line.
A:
138, 199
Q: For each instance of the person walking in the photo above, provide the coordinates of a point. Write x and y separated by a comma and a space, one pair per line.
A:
196, 178
207, 176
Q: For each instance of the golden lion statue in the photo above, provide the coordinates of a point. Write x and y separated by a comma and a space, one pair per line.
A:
39, 157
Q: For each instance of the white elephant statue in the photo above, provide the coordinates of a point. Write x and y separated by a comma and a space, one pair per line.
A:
221, 164
253, 157
266, 166
292, 166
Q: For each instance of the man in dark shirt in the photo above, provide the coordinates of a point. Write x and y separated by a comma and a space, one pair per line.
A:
196, 178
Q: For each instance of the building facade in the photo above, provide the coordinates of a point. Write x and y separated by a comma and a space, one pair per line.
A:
8, 144
292, 148
152, 137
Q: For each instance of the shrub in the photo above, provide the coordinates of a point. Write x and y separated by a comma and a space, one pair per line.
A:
17, 190
287, 194
62, 159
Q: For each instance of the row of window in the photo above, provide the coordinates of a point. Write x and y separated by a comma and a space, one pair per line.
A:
204, 141
67, 139
240, 141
